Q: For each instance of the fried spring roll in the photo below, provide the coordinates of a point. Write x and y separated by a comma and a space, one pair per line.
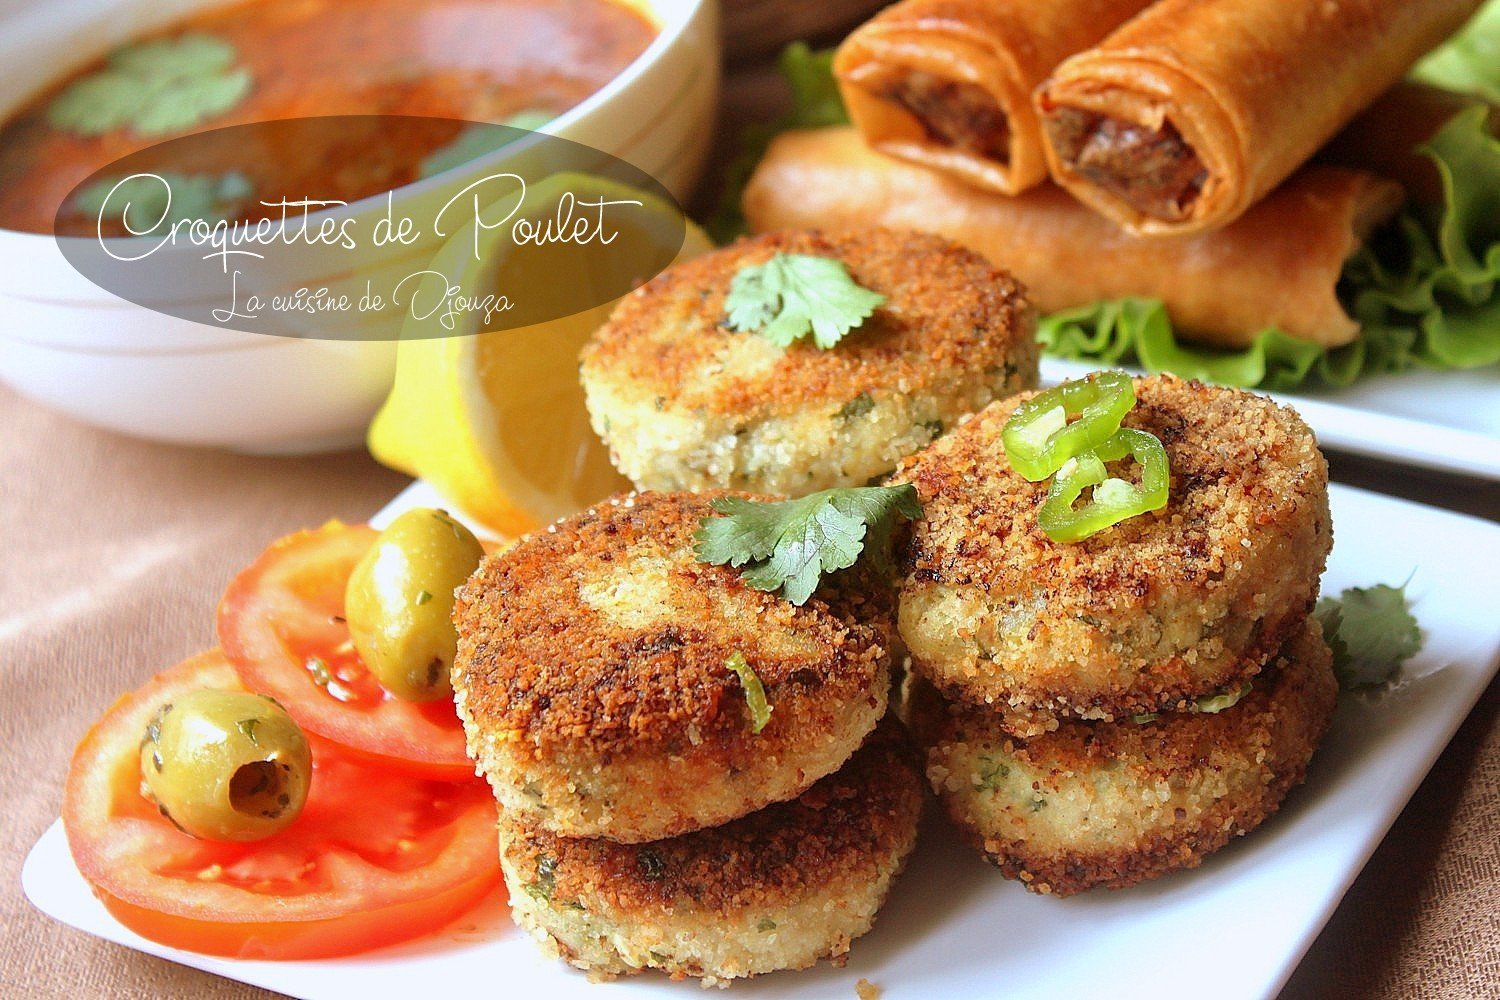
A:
1277, 266
1190, 113
947, 83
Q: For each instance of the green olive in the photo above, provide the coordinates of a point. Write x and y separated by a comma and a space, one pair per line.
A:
226, 765
399, 602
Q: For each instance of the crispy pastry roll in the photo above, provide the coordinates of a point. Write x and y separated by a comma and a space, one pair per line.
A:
1190, 113
1278, 265
947, 83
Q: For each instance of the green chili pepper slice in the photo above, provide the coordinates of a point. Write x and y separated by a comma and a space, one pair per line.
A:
755, 692
1114, 500
1038, 437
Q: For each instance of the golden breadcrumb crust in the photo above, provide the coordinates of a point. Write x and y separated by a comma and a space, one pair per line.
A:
1115, 803
593, 680
1144, 616
685, 402
947, 313
780, 888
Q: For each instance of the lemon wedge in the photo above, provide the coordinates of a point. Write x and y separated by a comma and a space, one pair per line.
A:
496, 420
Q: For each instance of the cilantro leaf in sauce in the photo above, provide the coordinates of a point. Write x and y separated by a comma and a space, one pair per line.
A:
153, 88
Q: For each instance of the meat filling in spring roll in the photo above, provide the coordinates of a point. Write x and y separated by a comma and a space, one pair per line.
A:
1188, 114
947, 83
1278, 265
1153, 170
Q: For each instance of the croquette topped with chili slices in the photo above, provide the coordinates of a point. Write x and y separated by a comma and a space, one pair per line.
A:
1155, 611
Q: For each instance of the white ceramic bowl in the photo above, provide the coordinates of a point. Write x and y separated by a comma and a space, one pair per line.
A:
72, 346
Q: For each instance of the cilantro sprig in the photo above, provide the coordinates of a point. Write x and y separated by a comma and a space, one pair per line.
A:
153, 88
793, 295
1371, 632
787, 546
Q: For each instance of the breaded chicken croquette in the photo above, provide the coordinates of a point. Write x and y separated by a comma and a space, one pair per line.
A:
595, 684
778, 889
1116, 803
1142, 617
686, 403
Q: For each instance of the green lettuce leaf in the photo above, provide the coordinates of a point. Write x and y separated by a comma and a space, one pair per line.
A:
1470, 60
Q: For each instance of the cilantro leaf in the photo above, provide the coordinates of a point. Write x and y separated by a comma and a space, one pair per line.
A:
153, 88
174, 58
794, 294
788, 545
186, 102
95, 104
141, 199
1371, 633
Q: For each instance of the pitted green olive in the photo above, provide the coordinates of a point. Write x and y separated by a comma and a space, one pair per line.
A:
399, 602
226, 765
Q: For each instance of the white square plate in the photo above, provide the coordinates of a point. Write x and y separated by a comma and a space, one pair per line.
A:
1438, 420
955, 928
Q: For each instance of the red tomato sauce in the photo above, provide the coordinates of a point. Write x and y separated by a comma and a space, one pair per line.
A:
473, 60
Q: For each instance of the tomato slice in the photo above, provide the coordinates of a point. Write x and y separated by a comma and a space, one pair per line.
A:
281, 625
374, 858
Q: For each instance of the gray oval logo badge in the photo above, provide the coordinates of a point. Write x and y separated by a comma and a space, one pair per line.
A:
332, 228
